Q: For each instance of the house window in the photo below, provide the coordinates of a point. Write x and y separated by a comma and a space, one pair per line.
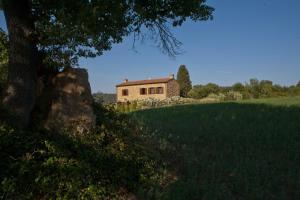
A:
151, 90
143, 91
159, 90
125, 92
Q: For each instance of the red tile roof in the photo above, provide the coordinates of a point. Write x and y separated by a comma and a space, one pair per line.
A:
143, 82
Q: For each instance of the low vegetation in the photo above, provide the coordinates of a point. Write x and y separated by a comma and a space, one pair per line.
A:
151, 103
283, 101
245, 150
113, 162
105, 98
254, 89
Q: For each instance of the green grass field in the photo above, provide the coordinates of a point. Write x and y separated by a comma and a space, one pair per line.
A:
244, 150
284, 101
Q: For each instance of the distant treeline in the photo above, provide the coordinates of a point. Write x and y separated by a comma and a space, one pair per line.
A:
253, 89
104, 98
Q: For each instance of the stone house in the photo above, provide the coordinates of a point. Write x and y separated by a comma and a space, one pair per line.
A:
161, 89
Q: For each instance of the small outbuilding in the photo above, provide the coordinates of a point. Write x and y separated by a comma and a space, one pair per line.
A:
160, 88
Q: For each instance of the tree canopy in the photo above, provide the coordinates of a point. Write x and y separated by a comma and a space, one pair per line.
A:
67, 29
3, 58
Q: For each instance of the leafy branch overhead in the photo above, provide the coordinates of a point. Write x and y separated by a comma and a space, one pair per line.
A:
3, 58
70, 29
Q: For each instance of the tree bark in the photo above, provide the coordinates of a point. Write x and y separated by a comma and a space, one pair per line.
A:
20, 95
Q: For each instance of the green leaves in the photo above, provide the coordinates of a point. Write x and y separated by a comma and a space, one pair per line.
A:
253, 89
3, 58
68, 30
39, 164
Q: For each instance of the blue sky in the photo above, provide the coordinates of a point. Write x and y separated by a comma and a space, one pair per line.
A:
246, 39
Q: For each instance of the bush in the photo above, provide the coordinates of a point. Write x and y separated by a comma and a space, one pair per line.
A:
202, 91
133, 106
111, 163
152, 103
216, 97
233, 96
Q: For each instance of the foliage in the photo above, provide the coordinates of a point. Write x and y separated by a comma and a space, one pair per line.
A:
3, 59
125, 107
253, 89
245, 150
104, 98
154, 103
233, 96
113, 162
218, 97
225, 96
237, 87
183, 78
202, 91
68, 30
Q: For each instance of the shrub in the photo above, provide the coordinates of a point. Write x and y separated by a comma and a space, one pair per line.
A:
202, 91
233, 96
111, 163
133, 106
214, 97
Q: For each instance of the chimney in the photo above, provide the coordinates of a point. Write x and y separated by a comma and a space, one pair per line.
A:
125, 80
171, 76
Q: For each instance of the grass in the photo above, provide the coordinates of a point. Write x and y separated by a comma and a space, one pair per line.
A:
244, 150
283, 101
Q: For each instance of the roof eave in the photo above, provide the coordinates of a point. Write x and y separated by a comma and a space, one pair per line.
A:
124, 84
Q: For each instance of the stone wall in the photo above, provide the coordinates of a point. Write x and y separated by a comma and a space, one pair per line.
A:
173, 88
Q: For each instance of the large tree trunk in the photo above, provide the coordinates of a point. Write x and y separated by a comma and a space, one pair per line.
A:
22, 74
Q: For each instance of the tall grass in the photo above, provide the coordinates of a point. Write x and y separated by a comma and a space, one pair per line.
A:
248, 150
283, 101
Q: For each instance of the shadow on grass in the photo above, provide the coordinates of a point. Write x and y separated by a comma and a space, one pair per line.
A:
229, 150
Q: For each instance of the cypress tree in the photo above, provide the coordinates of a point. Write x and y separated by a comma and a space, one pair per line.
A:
184, 80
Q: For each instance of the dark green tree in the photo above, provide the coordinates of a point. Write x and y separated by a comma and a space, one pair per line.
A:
51, 34
184, 81
254, 87
266, 88
202, 91
239, 87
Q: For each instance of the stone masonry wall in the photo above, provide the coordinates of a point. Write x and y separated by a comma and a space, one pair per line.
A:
173, 88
